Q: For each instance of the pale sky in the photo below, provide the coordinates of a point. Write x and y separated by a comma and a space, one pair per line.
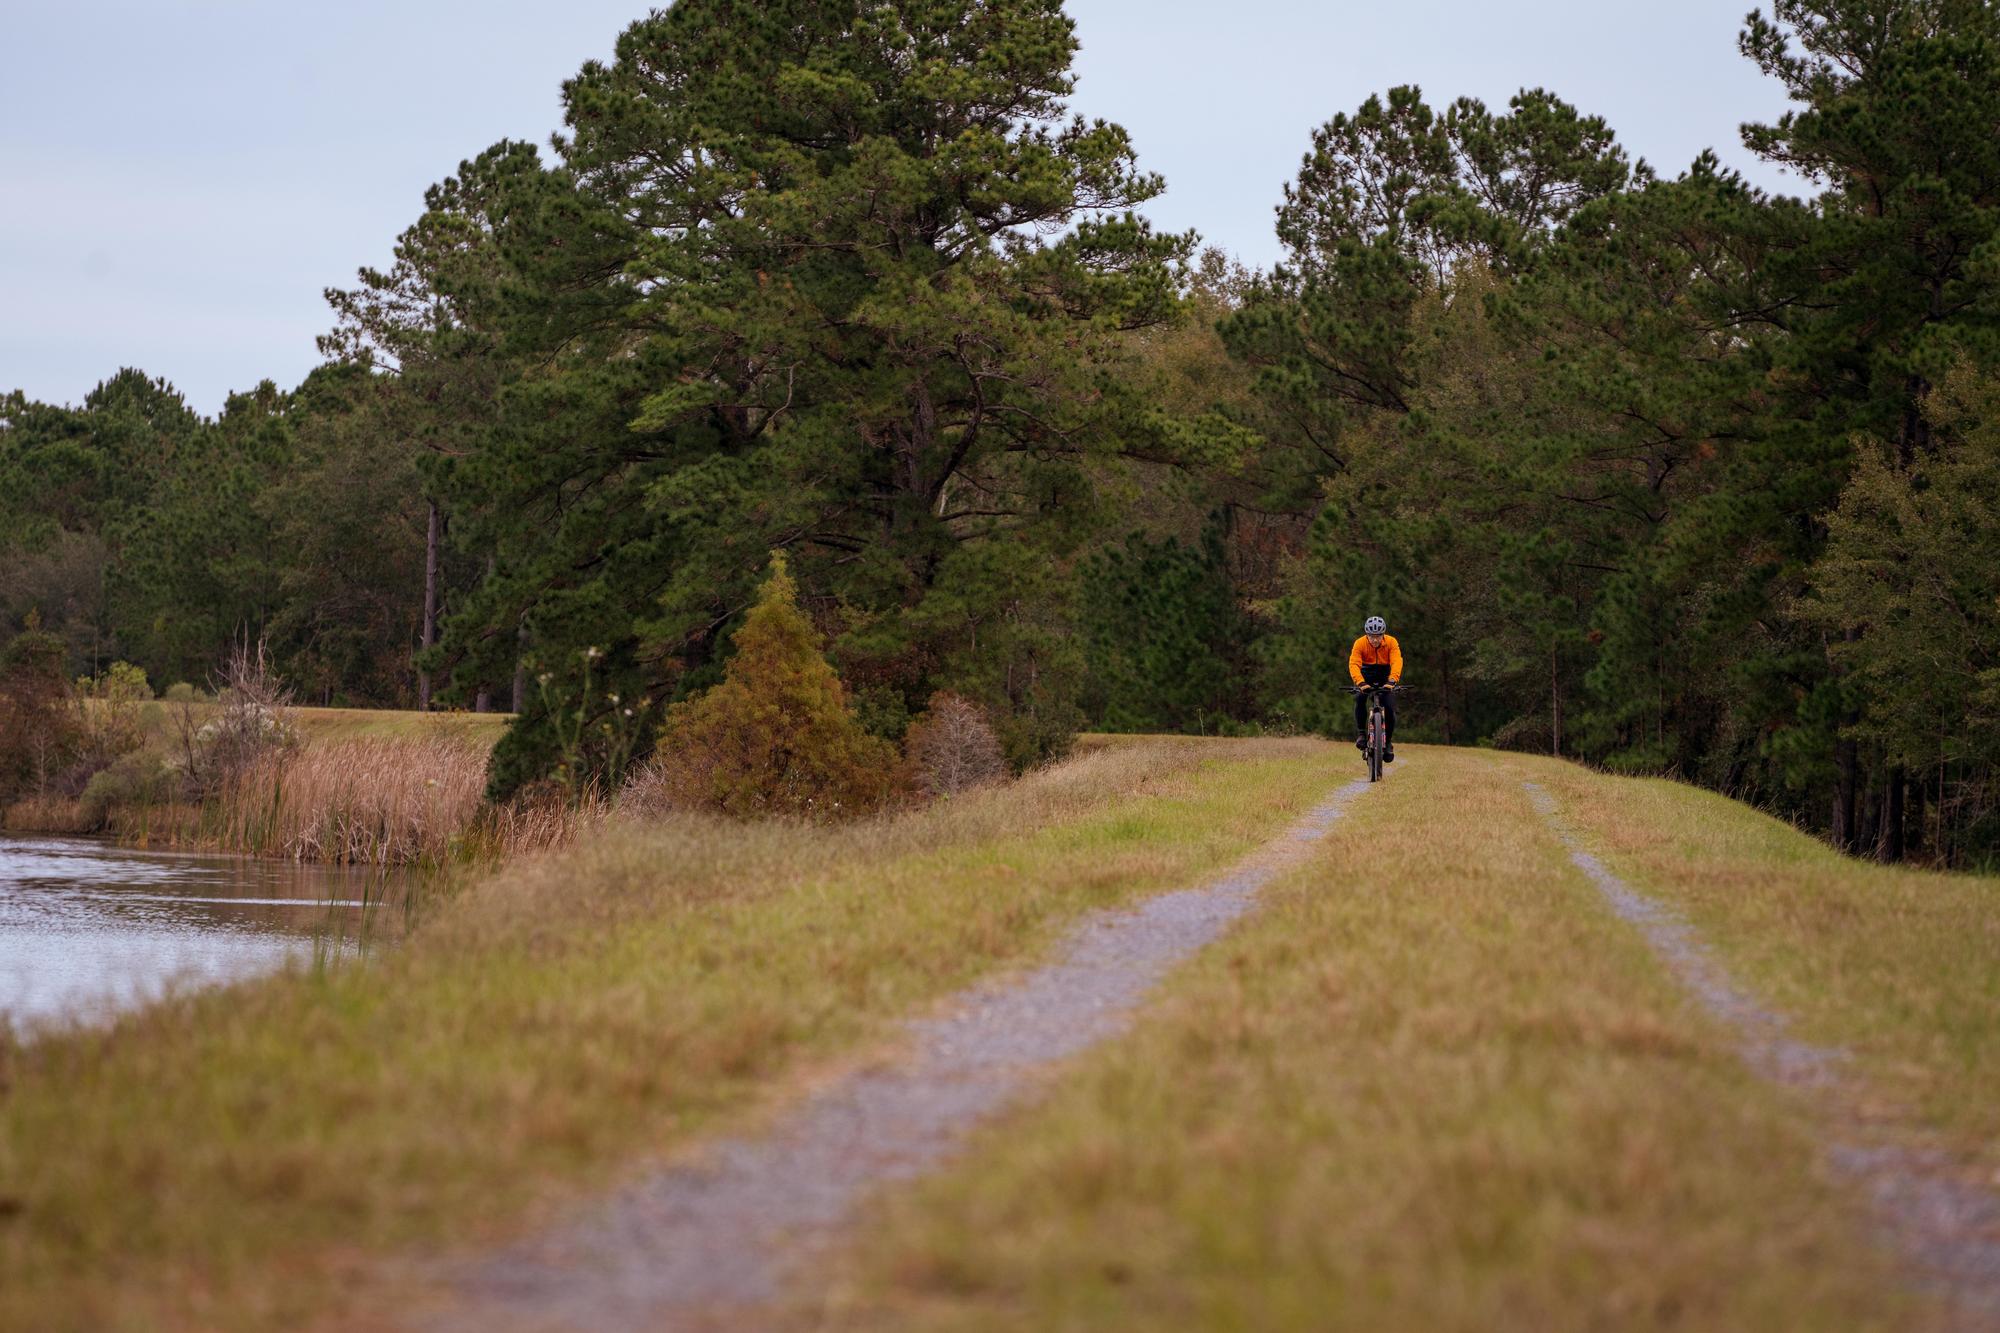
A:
179, 179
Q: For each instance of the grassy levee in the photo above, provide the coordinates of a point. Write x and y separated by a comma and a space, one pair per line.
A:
344, 724
1433, 1084
1899, 966
388, 723
225, 1159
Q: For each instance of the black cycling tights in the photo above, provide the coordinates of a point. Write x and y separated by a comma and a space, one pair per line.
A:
1388, 710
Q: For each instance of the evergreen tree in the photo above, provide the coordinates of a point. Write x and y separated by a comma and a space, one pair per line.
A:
1167, 642
428, 336
1390, 205
1892, 277
776, 735
200, 561
1907, 593
75, 483
844, 280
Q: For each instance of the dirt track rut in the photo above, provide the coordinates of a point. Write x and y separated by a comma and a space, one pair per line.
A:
686, 1246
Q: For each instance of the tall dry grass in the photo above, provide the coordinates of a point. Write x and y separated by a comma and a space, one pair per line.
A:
356, 802
536, 823
45, 813
372, 800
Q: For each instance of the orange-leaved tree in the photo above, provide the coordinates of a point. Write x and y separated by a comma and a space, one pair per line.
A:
777, 736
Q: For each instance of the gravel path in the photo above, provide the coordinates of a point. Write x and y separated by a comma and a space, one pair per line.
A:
686, 1246
1946, 1228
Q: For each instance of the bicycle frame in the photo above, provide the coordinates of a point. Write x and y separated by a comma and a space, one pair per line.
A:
1378, 728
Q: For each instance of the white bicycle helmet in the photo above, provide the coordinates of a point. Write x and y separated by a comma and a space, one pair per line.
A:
1376, 625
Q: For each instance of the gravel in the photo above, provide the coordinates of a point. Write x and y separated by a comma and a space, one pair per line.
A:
686, 1246
1945, 1227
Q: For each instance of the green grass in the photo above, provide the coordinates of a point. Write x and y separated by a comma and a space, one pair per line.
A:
1901, 966
223, 1160
360, 723
1433, 1085
161, 720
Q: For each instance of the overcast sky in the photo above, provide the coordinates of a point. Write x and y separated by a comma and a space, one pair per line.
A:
182, 178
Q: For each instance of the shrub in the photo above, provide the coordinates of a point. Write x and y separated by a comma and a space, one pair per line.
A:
251, 724
110, 717
952, 748
137, 779
883, 712
38, 727
180, 692
777, 735
652, 791
121, 682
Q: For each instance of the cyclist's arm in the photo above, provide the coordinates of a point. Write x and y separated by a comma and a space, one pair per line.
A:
1395, 661
1354, 660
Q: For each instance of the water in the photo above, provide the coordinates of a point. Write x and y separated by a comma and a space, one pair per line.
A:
88, 927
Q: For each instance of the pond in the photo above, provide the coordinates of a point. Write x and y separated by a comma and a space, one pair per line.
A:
88, 927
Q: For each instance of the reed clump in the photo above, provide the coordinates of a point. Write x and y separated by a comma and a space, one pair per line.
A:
373, 801
537, 820
356, 802
47, 812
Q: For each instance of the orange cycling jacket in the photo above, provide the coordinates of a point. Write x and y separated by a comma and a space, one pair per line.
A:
1390, 654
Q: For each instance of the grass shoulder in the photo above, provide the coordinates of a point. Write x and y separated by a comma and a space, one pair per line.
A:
227, 1154
1431, 1085
1899, 965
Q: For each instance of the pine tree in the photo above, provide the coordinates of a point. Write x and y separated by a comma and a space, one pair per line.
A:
1393, 202
1908, 594
1890, 279
845, 280
1167, 642
777, 735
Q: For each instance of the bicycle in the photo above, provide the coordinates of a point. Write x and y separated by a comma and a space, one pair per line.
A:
1377, 734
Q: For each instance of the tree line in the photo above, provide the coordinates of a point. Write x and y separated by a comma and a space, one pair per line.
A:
1667, 473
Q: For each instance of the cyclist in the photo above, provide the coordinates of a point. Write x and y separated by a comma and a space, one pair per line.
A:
1377, 659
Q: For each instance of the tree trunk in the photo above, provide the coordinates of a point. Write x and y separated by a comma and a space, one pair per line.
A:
429, 634
1892, 818
1915, 829
1660, 698
1915, 436
1944, 844
520, 667
1870, 834
1846, 834
1555, 704
1447, 697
